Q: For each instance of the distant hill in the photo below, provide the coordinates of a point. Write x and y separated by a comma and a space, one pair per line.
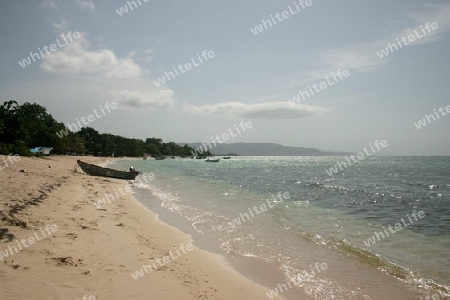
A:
265, 149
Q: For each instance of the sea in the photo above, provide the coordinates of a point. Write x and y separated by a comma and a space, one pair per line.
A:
380, 224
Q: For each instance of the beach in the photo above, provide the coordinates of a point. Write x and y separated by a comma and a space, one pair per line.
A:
261, 174
168, 235
287, 225
56, 244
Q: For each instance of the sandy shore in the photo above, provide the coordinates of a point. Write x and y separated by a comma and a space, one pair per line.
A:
56, 244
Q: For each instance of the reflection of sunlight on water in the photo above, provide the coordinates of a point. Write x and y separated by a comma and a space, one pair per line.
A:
322, 210
315, 283
228, 194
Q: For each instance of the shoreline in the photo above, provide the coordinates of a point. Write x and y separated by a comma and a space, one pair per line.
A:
344, 268
95, 251
339, 265
261, 273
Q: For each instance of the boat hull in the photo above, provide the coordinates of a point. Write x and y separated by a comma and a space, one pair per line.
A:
94, 170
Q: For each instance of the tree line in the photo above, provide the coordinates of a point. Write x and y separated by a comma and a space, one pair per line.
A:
30, 125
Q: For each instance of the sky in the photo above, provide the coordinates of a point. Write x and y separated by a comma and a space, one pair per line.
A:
245, 74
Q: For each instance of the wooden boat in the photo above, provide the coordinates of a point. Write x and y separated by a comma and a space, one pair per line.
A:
226, 157
212, 160
94, 170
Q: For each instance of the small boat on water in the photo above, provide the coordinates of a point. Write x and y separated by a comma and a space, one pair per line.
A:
226, 157
212, 160
95, 170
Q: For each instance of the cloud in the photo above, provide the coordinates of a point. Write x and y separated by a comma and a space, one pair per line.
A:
357, 59
354, 59
361, 57
266, 110
123, 68
163, 99
48, 4
86, 5
59, 28
131, 54
158, 99
436, 13
149, 54
76, 58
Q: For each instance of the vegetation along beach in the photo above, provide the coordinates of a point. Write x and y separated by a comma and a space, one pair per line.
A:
224, 150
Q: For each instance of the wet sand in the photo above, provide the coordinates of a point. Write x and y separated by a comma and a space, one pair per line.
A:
79, 250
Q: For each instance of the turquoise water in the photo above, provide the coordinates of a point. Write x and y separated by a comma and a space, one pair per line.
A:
334, 213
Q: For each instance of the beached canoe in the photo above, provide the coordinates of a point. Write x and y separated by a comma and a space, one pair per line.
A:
94, 170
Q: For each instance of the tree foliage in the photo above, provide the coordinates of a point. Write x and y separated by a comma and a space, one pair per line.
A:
30, 125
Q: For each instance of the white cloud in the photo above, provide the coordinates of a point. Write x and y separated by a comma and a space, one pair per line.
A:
59, 28
149, 54
158, 99
438, 13
163, 98
48, 4
76, 58
124, 68
86, 5
357, 59
361, 57
266, 110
